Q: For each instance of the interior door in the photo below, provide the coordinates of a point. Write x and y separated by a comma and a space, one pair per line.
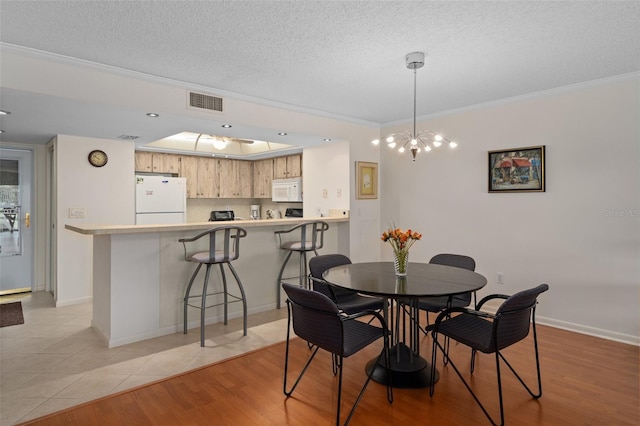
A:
16, 222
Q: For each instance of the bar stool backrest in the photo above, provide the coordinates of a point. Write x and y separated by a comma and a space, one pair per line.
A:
311, 234
224, 244
317, 229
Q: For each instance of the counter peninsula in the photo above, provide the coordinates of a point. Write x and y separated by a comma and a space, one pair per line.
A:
140, 275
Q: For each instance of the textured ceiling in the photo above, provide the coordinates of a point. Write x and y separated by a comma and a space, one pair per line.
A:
343, 57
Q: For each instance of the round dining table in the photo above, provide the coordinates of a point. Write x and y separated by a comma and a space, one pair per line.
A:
378, 279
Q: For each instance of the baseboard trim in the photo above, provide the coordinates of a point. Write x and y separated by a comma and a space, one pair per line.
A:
590, 331
69, 302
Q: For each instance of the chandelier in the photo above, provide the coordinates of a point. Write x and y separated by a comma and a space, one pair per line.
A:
424, 139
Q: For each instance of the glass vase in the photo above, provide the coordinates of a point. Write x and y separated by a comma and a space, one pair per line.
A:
401, 262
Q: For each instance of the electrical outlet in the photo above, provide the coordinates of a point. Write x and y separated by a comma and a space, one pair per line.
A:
77, 212
339, 192
500, 278
324, 193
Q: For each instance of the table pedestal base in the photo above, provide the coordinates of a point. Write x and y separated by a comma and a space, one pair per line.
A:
408, 370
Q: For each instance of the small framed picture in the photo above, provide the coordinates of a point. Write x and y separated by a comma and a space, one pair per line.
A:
366, 180
517, 170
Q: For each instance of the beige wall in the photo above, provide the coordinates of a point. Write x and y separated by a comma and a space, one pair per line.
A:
581, 236
106, 194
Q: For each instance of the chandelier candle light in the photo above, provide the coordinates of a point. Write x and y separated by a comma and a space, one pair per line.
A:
423, 139
401, 242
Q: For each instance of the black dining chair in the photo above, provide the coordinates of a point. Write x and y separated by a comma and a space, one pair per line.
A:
439, 303
317, 319
348, 301
491, 333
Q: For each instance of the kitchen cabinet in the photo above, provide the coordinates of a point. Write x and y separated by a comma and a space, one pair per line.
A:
166, 163
222, 178
144, 161
236, 179
157, 162
202, 175
262, 178
287, 167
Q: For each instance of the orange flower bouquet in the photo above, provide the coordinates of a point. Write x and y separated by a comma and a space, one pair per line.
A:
401, 241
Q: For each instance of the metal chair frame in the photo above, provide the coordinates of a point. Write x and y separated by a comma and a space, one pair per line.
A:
230, 251
310, 229
496, 345
338, 354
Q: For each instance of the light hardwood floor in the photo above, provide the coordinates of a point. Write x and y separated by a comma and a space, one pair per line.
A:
586, 381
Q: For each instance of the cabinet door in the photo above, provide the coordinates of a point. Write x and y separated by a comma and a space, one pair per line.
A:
262, 178
166, 163
287, 167
236, 179
245, 179
208, 177
280, 167
228, 180
144, 161
189, 170
294, 166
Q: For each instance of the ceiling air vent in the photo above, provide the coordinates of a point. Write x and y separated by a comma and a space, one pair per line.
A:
202, 101
128, 137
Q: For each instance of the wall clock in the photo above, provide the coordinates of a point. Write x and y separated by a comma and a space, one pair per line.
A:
98, 158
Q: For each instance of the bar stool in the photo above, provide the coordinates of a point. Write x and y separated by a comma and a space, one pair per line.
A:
311, 239
224, 246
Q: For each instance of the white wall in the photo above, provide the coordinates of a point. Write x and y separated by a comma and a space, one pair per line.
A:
107, 195
365, 214
581, 236
326, 168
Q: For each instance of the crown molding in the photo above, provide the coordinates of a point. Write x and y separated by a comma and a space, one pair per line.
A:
520, 98
68, 60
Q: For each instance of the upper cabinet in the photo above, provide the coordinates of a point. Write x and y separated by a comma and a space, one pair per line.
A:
262, 178
202, 175
157, 162
287, 167
209, 177
236, 179
166, 163
144, 161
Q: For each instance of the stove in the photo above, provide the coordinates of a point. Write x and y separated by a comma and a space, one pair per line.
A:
296, 212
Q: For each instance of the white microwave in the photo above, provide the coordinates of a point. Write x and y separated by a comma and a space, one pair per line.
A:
287, 190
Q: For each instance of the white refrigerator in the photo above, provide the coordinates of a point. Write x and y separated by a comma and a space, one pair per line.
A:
160, 200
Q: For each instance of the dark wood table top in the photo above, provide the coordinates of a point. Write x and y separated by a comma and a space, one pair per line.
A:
422, 280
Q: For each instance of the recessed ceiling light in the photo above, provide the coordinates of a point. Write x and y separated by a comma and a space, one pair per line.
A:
327, 139
152, 114
227, 126
282, 133
3, 112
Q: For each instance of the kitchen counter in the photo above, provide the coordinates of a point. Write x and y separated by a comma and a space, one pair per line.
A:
140, 274
193, 226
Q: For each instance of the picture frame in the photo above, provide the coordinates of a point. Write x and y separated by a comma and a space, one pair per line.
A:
366, 180
517, 170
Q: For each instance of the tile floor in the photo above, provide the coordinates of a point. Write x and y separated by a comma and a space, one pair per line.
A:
55, 360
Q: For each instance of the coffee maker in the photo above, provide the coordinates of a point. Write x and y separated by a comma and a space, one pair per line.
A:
255, 211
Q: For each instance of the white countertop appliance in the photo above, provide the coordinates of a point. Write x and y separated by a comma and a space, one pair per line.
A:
287, 190
160, 200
